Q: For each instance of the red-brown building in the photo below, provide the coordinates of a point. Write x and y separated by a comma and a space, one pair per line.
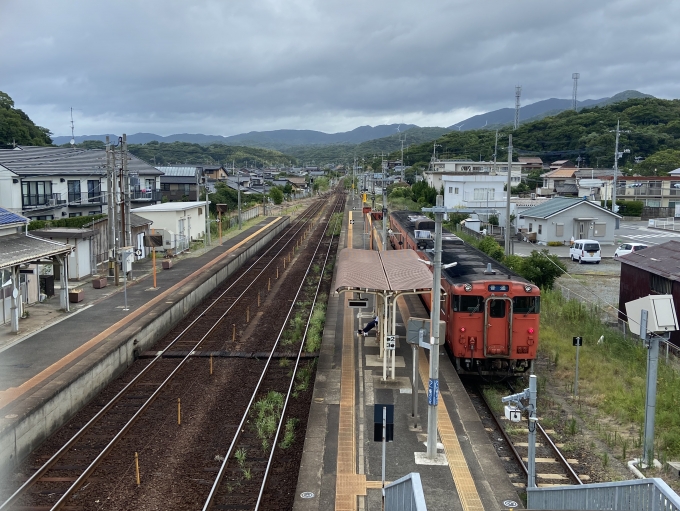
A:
654, 270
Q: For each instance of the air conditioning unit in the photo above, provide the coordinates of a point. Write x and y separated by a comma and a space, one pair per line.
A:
51, 202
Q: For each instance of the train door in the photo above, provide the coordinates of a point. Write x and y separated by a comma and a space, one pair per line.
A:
497, 327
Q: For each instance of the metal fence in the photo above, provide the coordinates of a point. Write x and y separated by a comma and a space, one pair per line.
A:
610, 317
664, 223
636, 495
405, 494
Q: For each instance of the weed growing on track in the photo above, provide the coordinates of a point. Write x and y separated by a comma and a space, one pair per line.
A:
289, 433
240, 456
315, 332
334, 225
304, 377
284, 362
247, 474
268, 411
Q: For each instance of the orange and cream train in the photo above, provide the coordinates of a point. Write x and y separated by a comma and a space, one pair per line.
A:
491, 313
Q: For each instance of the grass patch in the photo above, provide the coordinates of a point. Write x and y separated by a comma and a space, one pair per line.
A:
334, 224
289, 433
315, 332
612, 374
267, 413
304, 377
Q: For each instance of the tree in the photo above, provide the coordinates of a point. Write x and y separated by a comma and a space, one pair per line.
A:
276, 195
659, 164
17, 127
542, 268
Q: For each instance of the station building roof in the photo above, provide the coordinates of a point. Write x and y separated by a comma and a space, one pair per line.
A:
394, 270
18, 249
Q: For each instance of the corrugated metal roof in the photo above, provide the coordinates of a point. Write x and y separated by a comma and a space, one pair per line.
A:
7, 218
179, 171
663, 259
567, 188
59, 161
558, 204
395, 270
19, 249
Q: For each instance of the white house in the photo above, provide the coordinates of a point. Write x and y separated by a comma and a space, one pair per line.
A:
181, 222
450, 167
480, 192
81, 260
44, 183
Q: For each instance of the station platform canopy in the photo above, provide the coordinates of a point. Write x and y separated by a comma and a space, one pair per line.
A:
381, 272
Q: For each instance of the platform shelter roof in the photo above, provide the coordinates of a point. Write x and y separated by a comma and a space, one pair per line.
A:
391, 271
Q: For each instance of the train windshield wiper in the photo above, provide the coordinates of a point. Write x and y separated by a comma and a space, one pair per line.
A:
531, 309
476, 309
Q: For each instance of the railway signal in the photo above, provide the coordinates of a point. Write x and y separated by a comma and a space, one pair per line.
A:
516, 400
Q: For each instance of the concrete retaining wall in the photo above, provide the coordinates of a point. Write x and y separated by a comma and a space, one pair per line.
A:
49, 408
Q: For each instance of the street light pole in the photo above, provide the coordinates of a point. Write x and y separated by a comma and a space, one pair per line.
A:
433, 385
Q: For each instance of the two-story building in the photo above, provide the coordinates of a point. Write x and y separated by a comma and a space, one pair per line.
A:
44, 183
441, 168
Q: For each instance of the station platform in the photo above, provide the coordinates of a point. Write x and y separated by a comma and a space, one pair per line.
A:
341, 465
49, 374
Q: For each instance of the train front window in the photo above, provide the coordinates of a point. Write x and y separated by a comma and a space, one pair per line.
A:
526, 304
497, 308
467, 303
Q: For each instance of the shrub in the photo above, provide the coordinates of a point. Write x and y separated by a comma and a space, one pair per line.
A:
555, 244
490, 246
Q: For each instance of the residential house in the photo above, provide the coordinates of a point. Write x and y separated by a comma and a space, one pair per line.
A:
44, 183
479, 192
178, 222
531, 163
214, 172
450, 167
561, 181
180, 183
139, 227
652, 271
561, 218
26, 265
81, 259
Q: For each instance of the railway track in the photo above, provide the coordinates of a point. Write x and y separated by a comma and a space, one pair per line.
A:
269, 391
54, 484
510, 440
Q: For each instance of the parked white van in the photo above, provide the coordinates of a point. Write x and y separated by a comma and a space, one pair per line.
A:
586, 251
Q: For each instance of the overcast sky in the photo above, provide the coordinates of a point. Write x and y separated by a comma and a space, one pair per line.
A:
231, 66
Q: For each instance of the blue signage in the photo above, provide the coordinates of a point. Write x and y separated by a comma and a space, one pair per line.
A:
433, 392
499, 288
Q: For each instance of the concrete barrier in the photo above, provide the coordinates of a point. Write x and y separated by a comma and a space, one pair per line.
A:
49, 408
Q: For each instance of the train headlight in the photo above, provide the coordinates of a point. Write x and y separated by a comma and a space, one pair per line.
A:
467, 287
528, 288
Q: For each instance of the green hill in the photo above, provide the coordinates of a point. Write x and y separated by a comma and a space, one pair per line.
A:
650, 129
17, 127
160, 153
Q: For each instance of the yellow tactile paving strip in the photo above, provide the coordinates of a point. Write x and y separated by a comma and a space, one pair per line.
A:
349, 484
13, 393
462, 478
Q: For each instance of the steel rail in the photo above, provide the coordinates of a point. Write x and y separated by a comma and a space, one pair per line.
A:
300, 223
292, 381
560, 457
223, 466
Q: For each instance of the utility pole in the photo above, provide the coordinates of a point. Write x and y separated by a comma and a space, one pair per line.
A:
507, 202
402, 158
110, 207
575, 77
518, 93
126, 177
495, 152
384, 216
207, 213
616, 169
238, 179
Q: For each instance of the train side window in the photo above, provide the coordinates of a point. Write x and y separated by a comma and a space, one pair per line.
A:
467, 303
497, 309
526, 305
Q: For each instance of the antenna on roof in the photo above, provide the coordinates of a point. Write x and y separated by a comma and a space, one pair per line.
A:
73, 138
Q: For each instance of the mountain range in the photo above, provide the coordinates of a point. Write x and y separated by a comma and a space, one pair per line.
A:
283, 140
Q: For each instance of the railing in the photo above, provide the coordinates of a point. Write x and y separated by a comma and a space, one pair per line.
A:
637, 495
86, 198
664, 223
145, 195
405, 494
42, 200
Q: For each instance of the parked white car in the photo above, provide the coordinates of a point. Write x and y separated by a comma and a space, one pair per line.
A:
627, 248
586, 251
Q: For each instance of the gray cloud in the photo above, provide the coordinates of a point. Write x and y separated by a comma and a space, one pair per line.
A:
224, 67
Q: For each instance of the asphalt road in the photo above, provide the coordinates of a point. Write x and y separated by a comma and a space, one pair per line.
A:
639, 232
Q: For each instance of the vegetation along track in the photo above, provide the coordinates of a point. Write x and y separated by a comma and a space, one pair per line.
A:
138, 403
510, 441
